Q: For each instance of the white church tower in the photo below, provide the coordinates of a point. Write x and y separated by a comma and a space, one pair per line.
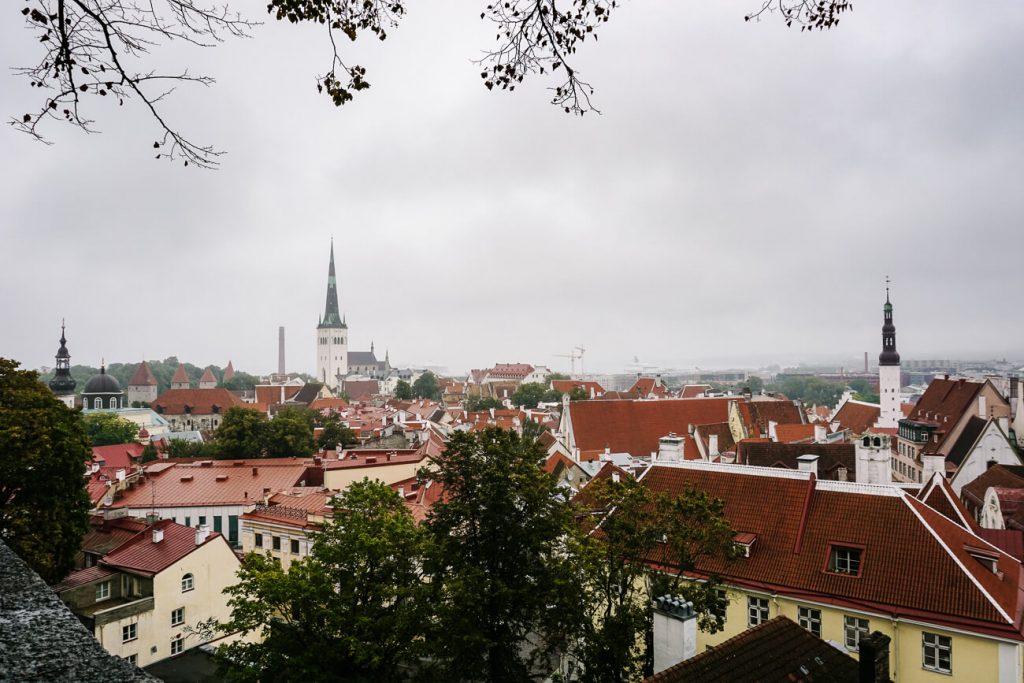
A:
888, 372
331, 337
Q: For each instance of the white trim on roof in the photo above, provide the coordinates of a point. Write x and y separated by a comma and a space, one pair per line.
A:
778, 473
945, 547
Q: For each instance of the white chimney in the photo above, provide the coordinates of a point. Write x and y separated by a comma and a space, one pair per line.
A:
981, 407
615, 477
712, 445
670, 448
820, 433
675, 632
158, 534
202, 533
120, 474
401, 492
772, 434
930, 464
874, 460
808, 463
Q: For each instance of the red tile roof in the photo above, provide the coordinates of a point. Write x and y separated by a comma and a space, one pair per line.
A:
565, 386
939, 580
1008, 476
857, 416
694, 390
117, 456
275, 394
513, 371
229, 371
939, 495
208, 376
200, 401
636, 426
142, 556
725, 438
329, 404
777, 651
180, 376
215, 482
945, 398
363, 389
831, 456
790, 433
648, 386
82, 577
105, 535
779, 411
143, 376
1010, 541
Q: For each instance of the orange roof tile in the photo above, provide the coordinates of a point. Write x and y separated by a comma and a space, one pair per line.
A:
143, 376
199, 401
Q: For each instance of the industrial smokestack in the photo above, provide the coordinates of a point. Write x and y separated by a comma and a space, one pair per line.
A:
865, 362
280, 350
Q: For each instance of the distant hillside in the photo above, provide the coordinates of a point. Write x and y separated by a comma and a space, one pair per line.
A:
163, 370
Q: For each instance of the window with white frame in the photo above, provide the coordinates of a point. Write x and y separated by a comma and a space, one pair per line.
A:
757, 611
810, 619
178, 617
129, 632
132, 659
102, 591
844, 560
187, 583
937, 652
177, 645
854, 629
723, 597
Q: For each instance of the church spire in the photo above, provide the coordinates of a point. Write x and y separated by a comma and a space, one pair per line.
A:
888, 356
63, 383
331, 316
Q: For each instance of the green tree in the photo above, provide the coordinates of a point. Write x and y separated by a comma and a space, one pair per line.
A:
348, 612
203, 450
475, 403
241, 381
616, 562
149, 453
334, 433
578, 394
529, 394
863, 390
105, 428
426, 386
243, 432
502, 586
755, 384
403, 391
290, 435
44, 509
557, 375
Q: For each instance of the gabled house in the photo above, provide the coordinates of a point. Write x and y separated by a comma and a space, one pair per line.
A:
144, 600
981, 444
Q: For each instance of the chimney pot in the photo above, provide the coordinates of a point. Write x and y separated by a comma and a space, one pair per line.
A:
675, 632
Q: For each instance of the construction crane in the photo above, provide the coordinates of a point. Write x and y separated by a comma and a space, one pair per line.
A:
576, 354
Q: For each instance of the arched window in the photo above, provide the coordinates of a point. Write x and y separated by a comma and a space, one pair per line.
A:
113, 403
97, 403
187, 583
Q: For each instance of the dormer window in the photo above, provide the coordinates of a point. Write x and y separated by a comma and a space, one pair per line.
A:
844, 560
989, 560
744, 542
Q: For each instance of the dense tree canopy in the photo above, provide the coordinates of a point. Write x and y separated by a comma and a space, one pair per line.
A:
426, 386
109, 428
403, 390
101, 49
530, 394
44, 509
345, 613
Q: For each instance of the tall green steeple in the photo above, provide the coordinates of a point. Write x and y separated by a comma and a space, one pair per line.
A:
331, 316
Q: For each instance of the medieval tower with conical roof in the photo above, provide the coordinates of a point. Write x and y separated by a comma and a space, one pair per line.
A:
331, 336
888, 371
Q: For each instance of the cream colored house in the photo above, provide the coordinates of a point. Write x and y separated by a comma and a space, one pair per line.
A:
142, 598
284, 527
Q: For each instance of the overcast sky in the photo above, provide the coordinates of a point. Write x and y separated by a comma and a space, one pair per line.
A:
739, 201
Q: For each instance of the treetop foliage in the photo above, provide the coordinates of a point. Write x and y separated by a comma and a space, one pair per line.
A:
106, 428
44, 508
101, 49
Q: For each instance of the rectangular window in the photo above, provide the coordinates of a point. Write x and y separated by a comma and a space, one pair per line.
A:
132, 659
188, 521
102, 591
129, 632
810, 619
854, 629
218, 523
202, 519
937, 652
295, 547
757, 611
178, 617
723, 597
233, 529
844, 560
276, 542
177, 645
258, 540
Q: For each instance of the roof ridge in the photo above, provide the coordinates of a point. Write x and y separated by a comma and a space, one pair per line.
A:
944, 546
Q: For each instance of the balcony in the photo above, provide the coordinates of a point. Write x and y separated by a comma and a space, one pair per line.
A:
123, 609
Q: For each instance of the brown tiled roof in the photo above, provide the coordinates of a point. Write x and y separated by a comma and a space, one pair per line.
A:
117, 456
791, 433
105, 535
945, 398
648, 386
777, 651
565, 386
1010, 541
229, 371
857, 416
968, 436
725, 439
694, 390
208, 376
201, 401
775, 410
940, 581
215, 482
180, 376
143, 376
274, 394
939, 495
82, 577
1009, 476
362, 389
142, 556
831, 456
636, 426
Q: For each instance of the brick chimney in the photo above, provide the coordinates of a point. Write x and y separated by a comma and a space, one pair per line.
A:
874, 658
675, 632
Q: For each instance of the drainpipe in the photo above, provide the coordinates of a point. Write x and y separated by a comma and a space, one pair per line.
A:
895, 647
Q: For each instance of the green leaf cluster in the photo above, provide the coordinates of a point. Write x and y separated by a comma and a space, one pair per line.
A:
105, 428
